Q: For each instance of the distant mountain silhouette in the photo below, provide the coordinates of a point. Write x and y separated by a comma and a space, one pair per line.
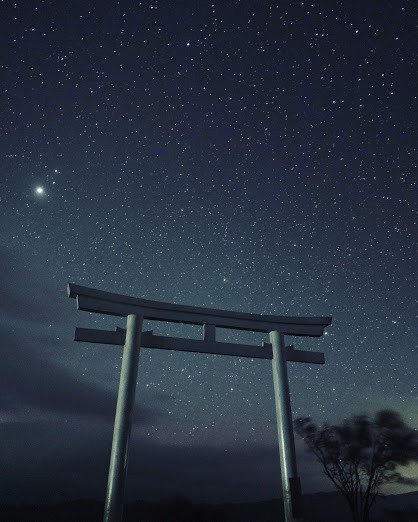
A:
318, 507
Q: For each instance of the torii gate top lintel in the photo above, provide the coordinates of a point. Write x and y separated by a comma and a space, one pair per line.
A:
98, 301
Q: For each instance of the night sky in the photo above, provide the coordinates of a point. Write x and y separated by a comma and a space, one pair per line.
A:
255, 156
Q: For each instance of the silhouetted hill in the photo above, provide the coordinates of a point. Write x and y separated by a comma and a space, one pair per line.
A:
318, 507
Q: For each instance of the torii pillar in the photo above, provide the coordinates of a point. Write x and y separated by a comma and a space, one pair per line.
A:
123, 420
290, 481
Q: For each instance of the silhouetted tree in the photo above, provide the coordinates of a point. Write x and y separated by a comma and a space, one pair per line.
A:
361, 454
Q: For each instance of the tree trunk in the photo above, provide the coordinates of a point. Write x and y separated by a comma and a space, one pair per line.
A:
354, 509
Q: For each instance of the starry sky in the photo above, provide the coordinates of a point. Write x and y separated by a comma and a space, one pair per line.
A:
255, 156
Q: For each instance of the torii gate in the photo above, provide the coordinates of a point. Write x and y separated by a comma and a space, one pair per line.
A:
136, 309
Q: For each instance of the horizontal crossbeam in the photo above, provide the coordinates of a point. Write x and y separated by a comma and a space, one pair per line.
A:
305, 356
91, 300
149, 340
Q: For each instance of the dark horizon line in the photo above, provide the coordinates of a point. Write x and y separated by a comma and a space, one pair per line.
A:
179, 496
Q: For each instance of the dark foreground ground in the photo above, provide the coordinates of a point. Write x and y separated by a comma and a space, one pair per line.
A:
320, 507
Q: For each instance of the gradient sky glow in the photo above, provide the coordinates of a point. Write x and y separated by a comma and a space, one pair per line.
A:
242, 155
